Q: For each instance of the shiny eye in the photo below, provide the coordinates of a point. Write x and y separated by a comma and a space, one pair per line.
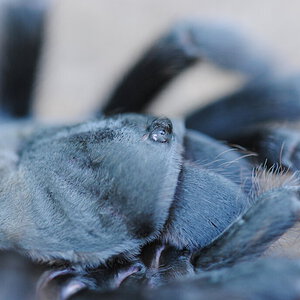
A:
160, 130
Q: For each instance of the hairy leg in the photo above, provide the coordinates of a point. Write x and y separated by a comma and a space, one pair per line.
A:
205, 204
273, 213
187, 42
268, 100
23, 28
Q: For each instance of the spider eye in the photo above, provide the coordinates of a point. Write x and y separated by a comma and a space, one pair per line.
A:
160, 130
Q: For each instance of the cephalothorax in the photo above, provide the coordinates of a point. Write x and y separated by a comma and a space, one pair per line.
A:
131, 199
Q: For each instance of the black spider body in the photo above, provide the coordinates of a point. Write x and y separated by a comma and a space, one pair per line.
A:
134, 202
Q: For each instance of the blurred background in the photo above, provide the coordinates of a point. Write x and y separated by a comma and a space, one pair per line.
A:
90, 43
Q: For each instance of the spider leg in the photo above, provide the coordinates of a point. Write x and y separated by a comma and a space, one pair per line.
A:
205, 204
229, 118
271, 215
23, 28
186, 43
267, 278
262, 117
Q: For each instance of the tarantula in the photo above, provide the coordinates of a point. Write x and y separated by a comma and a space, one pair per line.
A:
128, 205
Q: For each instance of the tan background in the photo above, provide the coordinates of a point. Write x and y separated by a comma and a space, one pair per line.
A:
90, 43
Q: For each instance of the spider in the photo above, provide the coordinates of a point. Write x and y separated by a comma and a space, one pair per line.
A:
130, 205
